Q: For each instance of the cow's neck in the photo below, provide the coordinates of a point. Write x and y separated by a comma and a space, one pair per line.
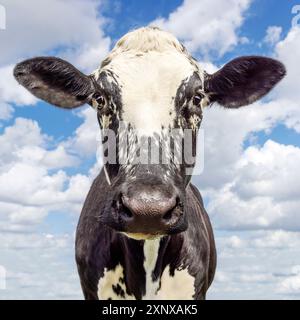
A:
148, 269
143, 269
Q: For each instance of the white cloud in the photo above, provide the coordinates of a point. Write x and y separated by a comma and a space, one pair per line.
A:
20, 218
40, 241
24, 142
269, 171
51, 276
32, 182
257, 265
225, 132
6, 111
53, 159
273, 34
208, 26
287, 51
35, 27
11, 91
86, 139
23, 133
277, 239
29, 193
77, 35
291, 285
264, 193
89, 57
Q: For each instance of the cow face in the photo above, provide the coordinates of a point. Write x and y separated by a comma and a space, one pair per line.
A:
149, 95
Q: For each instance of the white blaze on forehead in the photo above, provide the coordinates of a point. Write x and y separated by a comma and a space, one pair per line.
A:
150, 65
149, 86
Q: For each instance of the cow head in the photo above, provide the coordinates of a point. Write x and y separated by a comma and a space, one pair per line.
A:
148, 93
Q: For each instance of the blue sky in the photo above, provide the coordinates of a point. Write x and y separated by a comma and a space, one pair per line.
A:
48, 156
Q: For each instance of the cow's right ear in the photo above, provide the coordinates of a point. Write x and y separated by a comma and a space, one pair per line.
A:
55, 81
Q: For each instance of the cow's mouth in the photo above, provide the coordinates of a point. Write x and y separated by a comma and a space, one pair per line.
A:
142, 236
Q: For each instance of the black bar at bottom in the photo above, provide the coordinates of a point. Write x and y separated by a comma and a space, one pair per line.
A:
146, 309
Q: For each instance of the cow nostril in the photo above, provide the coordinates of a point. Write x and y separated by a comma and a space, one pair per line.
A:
170, 213
126, 213
167, 216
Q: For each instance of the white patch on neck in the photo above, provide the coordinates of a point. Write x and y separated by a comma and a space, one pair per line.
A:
112, 278
177, 287
181, 286
151, 248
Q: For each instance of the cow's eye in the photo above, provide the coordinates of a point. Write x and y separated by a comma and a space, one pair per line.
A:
197, 99
100, 100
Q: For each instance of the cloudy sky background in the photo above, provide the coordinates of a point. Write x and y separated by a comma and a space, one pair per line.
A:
251, 178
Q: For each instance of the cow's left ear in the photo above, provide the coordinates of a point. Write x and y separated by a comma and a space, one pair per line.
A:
55, 81
244, 80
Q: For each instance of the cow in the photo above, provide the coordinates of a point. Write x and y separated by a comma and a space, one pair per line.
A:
143, 232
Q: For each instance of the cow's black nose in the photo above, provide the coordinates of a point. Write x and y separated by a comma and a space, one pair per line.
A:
147, 211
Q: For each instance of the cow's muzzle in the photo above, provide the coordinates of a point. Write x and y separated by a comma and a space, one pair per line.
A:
147, 210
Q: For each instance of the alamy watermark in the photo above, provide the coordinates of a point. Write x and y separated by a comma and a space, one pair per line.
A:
296, 19
131, 147
2, 17
2, 278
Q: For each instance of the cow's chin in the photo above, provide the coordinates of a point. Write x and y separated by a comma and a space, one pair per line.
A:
143, 236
